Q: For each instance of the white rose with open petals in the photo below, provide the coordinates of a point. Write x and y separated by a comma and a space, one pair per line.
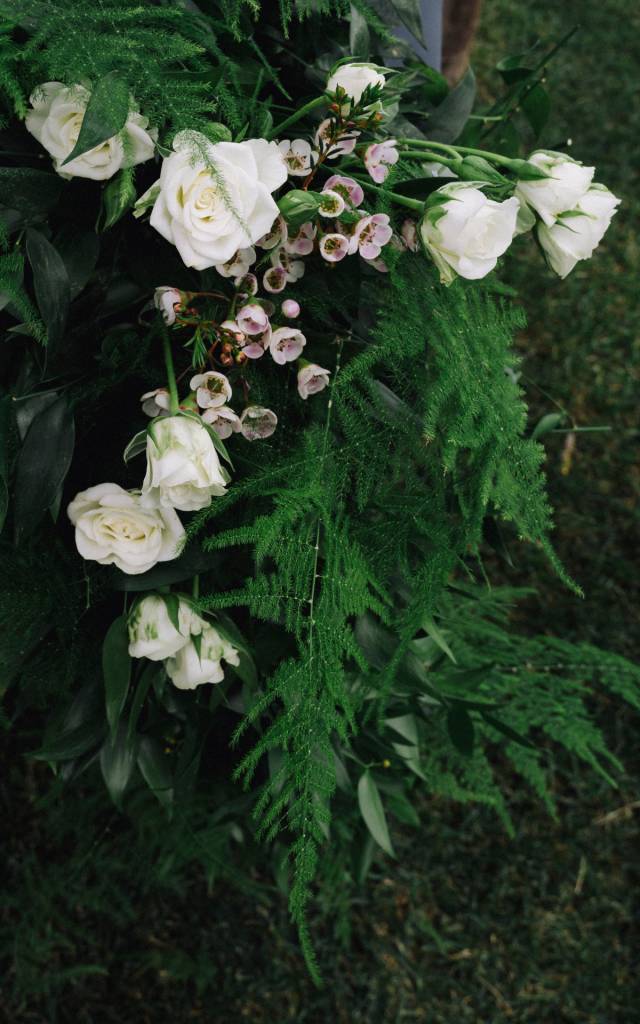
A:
115, 527
198, 663
576, 234
153, 635
55, 120
183, 468
465, 232
215, 198
567, 183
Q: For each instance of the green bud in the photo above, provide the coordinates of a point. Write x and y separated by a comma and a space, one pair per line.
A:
299, 206
526, 171
217, 132
476, 168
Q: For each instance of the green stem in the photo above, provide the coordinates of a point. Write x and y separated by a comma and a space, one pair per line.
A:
411, 204
195, 587
319, 101
418, 154
171, 373
497, 158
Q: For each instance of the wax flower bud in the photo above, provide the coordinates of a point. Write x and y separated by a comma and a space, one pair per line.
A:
256, 423
168, 301
290, 308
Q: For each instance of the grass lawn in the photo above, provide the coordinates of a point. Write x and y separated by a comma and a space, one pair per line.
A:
467, 925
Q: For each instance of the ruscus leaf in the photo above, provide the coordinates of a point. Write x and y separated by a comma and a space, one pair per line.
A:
116, 669
373, 812
105, 116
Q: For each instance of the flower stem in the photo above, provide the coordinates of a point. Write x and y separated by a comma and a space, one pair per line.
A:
171, 373
497, 158
411, 204
319, 101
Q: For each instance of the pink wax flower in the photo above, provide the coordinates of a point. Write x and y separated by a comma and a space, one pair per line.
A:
212, 389
257, 422
286, 344
168, 300
409, 232
277, 235
248, 285
331, 204
347, 187
257, 344
342, 146
275, 279
239, 264
223, 420
371, 234
252, 319
311, 378
379, 158
301, 244
294, 269
334, 247
298, 156
156, 403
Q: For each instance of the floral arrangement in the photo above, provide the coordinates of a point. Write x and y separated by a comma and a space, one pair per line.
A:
304, 280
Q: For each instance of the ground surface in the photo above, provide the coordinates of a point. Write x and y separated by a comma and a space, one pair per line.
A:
468, 926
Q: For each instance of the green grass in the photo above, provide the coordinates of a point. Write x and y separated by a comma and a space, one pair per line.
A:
467, 925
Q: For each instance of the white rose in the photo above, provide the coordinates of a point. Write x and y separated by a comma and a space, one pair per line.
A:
198, 663
183, 469
354, 79
312, 379
215, 198
153, 635
465, 232
55, 121
115, 527
568, 182
576, 234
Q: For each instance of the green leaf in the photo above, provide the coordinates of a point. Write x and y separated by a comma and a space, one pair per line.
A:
437, 636
536, 106
507, 731
118, 197
192, 561
5, 419
373, 812
116, 669
547, 423
154, 767
358, 34
30, 192
106, 114
406, 725
43, 464
117, 758
402, 809
461, 729
448, 120
50, 282
172, 602
72, 742
136, 446
79, 251
145, 682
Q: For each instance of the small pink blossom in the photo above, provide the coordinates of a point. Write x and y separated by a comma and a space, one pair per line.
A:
223, 420
257, 423
379, 265
212, 389
239, 264
156, 403
331, 204
334, 247
371, 234
252, 319
257, 344
379, 158
348, 188
294, 269
342, 146
275, 279
312, 379
301, 244
277, 235
248, 285
286, 344
168, 301
290, 308
409, 233
298, 156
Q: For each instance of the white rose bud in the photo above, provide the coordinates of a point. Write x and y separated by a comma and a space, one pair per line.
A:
165, 299
567, 183
183, 468
55, 121
116, 527
576, 234
257, 423
312, 379
215, 198
354, 79
465, 232
199, 662
153, 635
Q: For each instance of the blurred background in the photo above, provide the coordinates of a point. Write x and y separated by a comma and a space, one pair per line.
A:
467, 925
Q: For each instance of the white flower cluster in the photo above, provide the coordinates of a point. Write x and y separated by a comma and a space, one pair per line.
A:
191, 648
